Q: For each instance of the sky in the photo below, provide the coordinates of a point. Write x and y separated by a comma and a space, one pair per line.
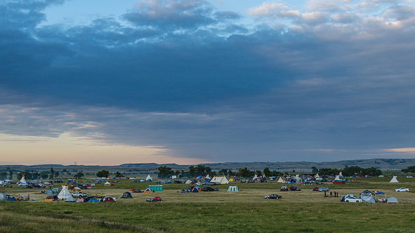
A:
200, 81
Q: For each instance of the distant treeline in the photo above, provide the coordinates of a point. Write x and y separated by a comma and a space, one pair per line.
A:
348, 171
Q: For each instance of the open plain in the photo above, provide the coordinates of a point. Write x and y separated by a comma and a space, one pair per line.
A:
222, 211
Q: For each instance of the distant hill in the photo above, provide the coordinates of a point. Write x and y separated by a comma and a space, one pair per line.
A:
383, 164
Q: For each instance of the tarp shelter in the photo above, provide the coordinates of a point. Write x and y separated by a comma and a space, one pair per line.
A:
127, 195
220, 180
149, 179
392, 200
64, 193
3, 197
81, 199
280, 180
93, 200
367, 196
70, 199
233, 189
394, 180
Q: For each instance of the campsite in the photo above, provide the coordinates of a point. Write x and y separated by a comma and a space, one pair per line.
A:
240, 208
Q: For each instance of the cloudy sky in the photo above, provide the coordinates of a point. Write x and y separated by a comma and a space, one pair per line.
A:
191, 81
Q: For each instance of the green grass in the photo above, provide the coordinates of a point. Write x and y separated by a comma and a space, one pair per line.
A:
246, 211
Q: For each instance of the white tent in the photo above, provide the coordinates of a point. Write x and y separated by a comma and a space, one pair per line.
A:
337, 177
70, 199
392, 200
317, 176
394, 180
207, 177
341, 174
255, 177
149, 178
2, 197
220, 180
64, 193
280, 180
233, 189
23, 180
107, 184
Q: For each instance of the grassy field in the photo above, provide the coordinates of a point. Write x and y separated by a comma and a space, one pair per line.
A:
246, 211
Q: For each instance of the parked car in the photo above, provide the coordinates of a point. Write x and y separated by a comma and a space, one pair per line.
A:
352, 199
207, 189
324, 189
295, 188
79, 194
315, 188
402, 189
284, 188
273, 196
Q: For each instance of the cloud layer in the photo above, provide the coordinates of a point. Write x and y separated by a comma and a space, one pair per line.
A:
331, 81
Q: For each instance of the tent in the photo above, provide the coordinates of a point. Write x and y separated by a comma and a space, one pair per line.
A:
392, 200
108, 199
22, 181
317, 176
337, 177
3, 197
280, 180
367, 196
231, 180
64, 193
207, 177
220, 180
255, 177
233, 189
107, 184
394, 180
149, 179
93, 200
127, 195
11, 199
194, 190
189, 182
70, 199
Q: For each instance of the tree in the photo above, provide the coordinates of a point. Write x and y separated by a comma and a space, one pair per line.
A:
11, 174
3, 176
164, 172
118, 174
52, 172
103, 173
314, 170
192, 171
223, 172
258, 173
267, 172
79, 175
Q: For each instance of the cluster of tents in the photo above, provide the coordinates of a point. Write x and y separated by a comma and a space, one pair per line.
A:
370, 197
65, 195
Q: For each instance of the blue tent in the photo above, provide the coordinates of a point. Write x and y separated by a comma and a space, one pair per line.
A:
11, 199
194, 190
183, 191
168, 182
94, 200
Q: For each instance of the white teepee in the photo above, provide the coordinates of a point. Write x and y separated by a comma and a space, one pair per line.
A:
394, 180
220, 179
23, 180
280, 180
64, 193
149, 178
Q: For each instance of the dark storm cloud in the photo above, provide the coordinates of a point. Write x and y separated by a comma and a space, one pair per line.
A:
182, 75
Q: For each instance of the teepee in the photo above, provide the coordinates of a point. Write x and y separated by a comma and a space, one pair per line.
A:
149, 178
394, 180
280, 180
64, 193
23, 180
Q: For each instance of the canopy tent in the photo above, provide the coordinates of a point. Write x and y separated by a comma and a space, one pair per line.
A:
394, 180
107, 184
64, 193
220, 180
367, 196
149, 179
233, 189
392, 200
